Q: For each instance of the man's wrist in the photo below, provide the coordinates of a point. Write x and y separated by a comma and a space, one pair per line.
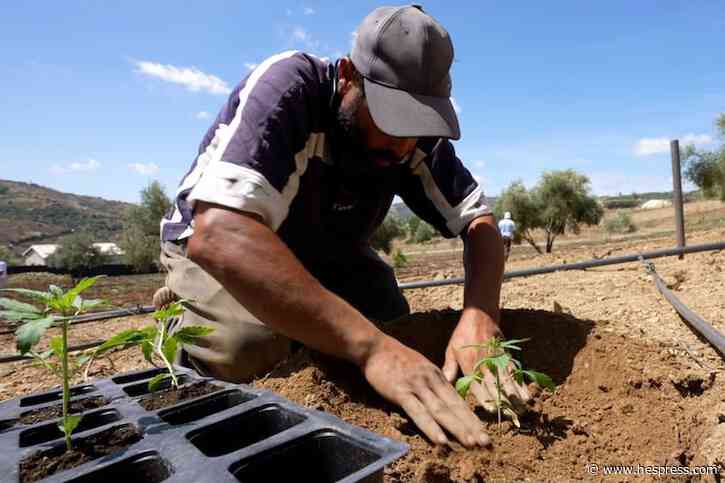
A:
362, 349
487, 322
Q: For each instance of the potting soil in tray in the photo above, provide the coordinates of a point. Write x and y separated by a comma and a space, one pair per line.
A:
208, 431
45, 463
56, 411
170, 396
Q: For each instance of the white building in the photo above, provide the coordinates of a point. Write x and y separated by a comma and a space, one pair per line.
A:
656, 204
38, 254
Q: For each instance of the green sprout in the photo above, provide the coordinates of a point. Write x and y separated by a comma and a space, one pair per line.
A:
498, 361
59, 309
156, 340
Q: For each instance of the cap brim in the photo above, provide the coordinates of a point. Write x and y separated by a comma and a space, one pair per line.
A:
402, 114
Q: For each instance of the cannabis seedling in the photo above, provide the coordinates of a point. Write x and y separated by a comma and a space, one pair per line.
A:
156, 339
59, 308
496, 362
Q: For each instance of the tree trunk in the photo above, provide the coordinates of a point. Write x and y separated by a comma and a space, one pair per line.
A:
549, 242
530, 239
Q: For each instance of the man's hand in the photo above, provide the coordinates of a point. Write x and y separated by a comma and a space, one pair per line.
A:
483, 257
406, 378
476, 329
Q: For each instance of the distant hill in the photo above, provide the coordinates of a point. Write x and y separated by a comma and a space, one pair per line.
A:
31, 214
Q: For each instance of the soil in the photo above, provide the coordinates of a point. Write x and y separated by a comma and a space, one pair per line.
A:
602, 411
45, 463
51, 412
636, 385
169, 397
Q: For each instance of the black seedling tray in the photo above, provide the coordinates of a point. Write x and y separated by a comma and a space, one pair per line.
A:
238, 433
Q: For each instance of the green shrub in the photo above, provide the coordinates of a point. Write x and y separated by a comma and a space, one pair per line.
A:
399, 259
77, 253
620, 223
618, 203
390, 229
423, 232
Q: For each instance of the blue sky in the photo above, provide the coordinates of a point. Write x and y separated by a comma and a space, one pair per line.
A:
100, 97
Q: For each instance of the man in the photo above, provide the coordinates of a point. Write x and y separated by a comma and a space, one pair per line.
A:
3, 274
507, 228
269, 235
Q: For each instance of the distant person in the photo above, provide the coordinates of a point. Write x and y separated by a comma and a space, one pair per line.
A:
3, 274
270, 233
507, 227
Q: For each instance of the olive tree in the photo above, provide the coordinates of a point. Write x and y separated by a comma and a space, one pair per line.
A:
561, 201
390, 229
9, 256
76, 253
140, 238
706, 169
524, 210
565, 203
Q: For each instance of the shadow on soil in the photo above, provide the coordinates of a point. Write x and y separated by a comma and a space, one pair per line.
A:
556, 338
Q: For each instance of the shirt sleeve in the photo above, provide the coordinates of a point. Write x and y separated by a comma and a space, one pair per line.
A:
440, 190
254, 162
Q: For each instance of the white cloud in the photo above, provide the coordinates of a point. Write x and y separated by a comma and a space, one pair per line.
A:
145, 169
90, 165
250, 65
650, 146
456, 107
309, 11
479, 164
190, 77
695, 139
202, 115
76, 166
606, 183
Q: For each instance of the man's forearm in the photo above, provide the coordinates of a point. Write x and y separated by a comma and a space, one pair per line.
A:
260, 271
484, 265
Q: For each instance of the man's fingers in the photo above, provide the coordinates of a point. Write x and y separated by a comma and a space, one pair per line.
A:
451, 412
524, 392
484, 398
422, 418
450, 367
511, 390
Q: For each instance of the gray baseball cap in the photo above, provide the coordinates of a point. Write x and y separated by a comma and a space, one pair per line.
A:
405, 56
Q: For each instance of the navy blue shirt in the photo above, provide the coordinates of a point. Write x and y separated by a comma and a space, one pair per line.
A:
268, 152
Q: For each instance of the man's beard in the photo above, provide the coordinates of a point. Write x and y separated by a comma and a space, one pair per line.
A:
349, 150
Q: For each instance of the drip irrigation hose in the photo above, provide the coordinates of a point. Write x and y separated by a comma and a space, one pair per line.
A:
668, 252
96, 316
694, 321
79, 347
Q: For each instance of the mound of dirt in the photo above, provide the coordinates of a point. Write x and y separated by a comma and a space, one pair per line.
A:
620, 401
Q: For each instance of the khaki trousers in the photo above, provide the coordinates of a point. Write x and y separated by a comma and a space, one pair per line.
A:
241, 347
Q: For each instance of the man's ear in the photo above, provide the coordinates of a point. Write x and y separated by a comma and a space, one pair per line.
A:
345, 75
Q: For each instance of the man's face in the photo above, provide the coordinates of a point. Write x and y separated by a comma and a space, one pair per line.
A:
360, 139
